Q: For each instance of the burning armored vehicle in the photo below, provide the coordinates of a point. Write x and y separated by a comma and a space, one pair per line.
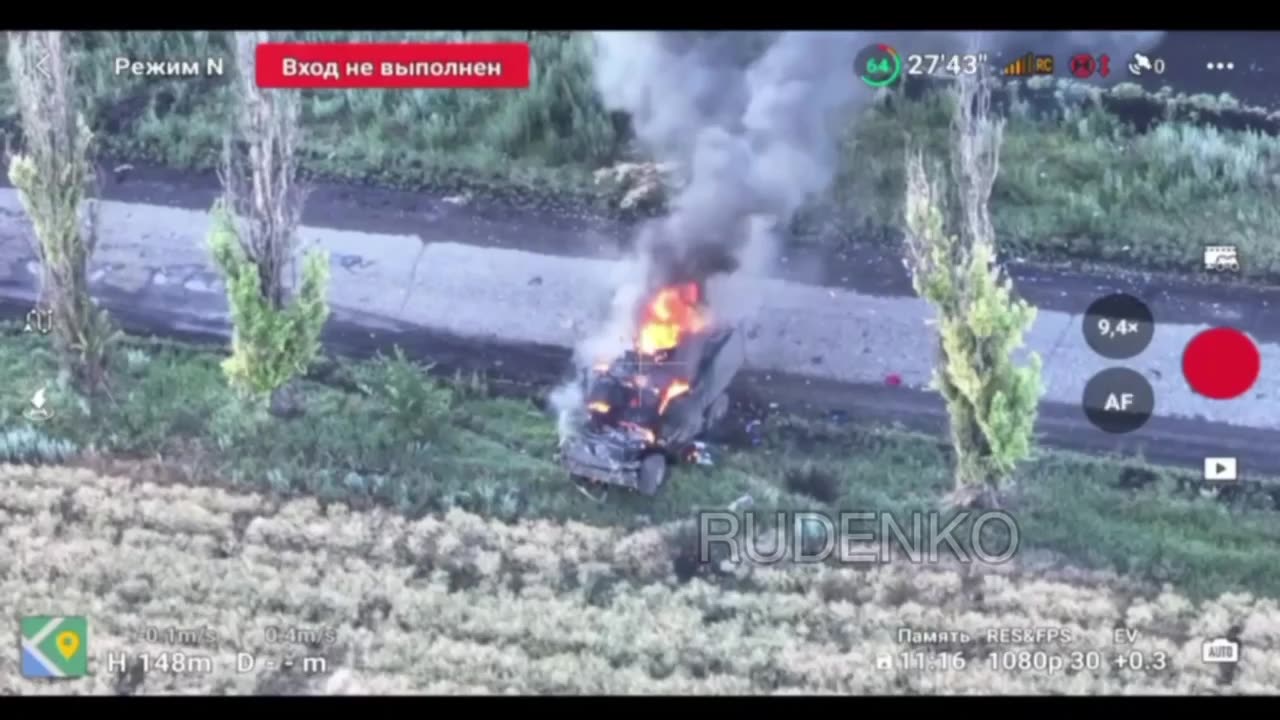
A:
646, 409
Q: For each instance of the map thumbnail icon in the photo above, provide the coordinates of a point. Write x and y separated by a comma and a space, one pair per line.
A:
55, 646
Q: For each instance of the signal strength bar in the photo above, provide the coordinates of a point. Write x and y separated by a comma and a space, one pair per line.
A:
1030, 64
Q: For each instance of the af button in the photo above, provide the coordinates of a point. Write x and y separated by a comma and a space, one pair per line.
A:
1119, 400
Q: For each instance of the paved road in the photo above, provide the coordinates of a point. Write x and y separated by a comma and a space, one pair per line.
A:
869, 269
519, 312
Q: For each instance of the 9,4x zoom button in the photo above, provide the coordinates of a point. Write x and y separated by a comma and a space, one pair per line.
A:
1119, 326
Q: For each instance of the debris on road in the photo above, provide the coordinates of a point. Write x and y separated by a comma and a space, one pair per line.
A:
700, 454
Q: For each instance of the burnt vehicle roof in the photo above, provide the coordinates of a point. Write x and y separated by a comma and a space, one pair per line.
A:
636, 400
681, 362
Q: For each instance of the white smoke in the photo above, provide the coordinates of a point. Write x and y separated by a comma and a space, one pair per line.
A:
752, 121
749, 119
751, 138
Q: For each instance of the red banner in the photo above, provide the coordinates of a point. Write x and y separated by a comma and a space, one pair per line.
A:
393, 65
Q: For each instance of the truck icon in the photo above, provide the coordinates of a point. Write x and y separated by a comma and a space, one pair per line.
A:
1221, 258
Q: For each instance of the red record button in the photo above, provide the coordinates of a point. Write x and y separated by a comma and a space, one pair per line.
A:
1221, 364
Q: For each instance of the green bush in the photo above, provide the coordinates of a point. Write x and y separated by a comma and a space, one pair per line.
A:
29, 446
270, 347
418, 405
813, 480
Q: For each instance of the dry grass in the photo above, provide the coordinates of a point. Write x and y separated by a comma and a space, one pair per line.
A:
458, 604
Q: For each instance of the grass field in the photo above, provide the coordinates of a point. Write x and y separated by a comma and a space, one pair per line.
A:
1085, 186
1075, 185
458, 603
379, 434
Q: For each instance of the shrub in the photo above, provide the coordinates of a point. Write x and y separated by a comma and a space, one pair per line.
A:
419, 406
29, 446
270, 345
992, 403
470, 386
814, 481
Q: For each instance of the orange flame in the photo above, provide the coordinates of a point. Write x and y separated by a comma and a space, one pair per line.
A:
599, 406
671, 314
673, 391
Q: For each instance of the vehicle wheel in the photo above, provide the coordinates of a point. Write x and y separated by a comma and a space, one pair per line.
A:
653, 473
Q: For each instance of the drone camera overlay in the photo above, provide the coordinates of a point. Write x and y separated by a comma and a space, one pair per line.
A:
842, 363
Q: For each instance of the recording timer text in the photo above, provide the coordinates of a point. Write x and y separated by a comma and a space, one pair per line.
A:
945, 64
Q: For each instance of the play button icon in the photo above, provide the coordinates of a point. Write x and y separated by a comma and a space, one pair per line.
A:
1220, 469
